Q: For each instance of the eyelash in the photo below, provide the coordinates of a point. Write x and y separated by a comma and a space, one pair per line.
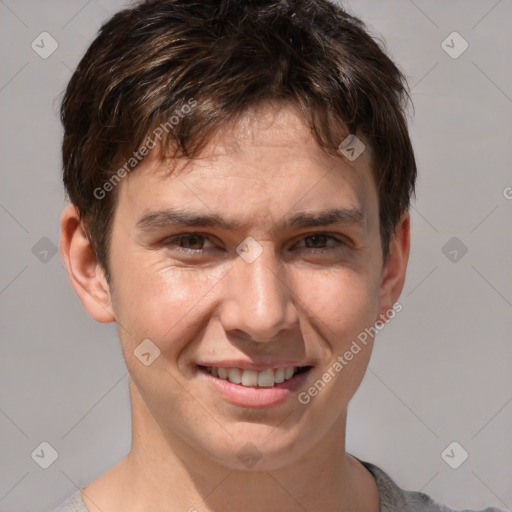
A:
172, 242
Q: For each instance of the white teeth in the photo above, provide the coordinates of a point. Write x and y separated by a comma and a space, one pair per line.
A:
266, 378
279, 375
288, 373
235, 375
249, 378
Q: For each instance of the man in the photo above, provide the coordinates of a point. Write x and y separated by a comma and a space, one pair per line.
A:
239, 176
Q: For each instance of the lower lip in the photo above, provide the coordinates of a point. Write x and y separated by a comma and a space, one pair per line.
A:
256, 397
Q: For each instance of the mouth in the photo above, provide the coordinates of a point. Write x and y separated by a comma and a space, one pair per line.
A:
269, 378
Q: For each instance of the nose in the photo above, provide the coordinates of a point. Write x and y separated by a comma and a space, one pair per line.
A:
259, 303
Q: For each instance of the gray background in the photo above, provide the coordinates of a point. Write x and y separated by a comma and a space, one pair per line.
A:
440, 371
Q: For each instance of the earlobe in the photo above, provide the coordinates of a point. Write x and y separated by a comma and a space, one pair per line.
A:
83, 268
393, 274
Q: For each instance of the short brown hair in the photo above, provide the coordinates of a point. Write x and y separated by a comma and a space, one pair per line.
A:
149, 61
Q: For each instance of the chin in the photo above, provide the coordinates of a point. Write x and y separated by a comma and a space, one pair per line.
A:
260, 448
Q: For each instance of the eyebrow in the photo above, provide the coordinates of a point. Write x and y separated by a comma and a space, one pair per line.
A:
178, 217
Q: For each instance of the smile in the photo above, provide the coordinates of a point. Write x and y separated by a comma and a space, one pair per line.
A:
251, 378
251, 388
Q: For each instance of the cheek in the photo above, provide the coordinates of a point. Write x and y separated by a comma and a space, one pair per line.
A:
340, 302
161, 303
343, 306
168, 307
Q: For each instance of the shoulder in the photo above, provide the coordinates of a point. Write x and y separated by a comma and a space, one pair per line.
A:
73, 504
395, 499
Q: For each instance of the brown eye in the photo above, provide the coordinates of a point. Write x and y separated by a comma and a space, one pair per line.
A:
189, 243
316, 241
321, 241
194, 242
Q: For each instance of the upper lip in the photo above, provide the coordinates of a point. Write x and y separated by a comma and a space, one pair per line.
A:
251, 365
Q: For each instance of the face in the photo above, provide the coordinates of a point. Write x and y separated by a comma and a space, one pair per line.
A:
277, 285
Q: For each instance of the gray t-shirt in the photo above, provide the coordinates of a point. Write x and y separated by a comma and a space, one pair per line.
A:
392, 497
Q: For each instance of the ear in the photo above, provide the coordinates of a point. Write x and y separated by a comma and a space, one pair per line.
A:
393, 272
83, 267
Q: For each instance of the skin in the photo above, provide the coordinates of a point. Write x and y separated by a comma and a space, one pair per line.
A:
289, 303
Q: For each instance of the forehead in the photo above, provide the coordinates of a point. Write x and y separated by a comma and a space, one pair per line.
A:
254, 134
266, 163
